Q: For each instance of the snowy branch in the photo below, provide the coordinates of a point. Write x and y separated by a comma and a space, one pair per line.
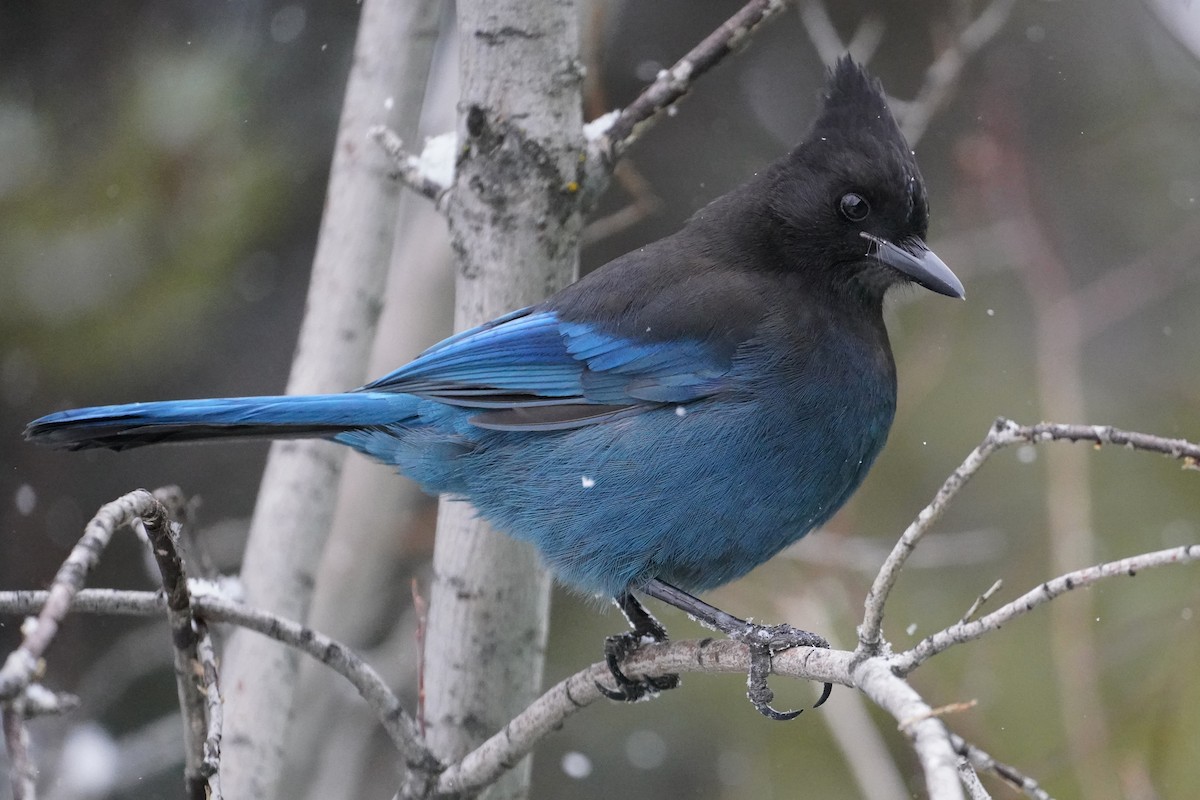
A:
430, 174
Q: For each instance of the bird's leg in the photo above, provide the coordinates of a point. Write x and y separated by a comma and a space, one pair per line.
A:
763, 640
646, 629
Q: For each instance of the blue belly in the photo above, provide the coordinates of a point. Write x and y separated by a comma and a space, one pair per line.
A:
695, 495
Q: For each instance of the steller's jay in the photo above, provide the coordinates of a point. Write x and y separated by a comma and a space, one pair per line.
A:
673, 419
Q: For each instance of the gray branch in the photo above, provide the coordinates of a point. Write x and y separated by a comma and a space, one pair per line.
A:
969, 631
1002, 434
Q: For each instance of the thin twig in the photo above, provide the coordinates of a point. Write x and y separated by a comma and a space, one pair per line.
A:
1013, 777
1186, 451
966, 771
183, 636
870, 638
420, 609
116, 602
672, 84
969, 631
979, 601
22, 772
341, 659
206, 669
1002, 434
23, 663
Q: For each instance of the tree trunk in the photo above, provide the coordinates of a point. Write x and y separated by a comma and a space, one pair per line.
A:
295, 504
514, 220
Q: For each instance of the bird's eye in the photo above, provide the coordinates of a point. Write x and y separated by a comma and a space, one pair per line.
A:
854, 207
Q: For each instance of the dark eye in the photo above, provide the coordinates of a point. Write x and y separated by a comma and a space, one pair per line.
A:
854, 207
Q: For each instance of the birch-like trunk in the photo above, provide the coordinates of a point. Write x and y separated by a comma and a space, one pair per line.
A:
514, 220
296, 501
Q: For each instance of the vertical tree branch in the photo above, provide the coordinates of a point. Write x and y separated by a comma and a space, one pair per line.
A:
514, 221
209, 686
22, 773
296, 501
185, 639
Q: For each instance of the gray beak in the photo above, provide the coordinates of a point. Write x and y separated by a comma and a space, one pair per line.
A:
919, 263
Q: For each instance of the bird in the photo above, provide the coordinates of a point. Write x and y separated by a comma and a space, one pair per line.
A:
674, 418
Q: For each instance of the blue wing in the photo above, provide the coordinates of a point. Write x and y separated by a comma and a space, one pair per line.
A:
530, 370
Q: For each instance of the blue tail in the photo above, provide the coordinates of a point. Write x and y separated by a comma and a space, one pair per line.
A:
282, 417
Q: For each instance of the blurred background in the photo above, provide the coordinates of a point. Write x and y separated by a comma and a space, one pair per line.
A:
162, 174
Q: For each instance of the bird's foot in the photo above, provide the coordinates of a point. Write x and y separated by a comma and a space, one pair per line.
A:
616, 649
646, 630
764, 641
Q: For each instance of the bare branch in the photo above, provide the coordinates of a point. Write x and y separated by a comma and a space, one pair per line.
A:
206, 668
872, 676
183, 636
119, 602
969, 631
341, 659
548, 712
23, 663
966, 771
983, 598
1013, 777
672, 84
880, 678
1182, 449
22, 772
870, 632
1002, 434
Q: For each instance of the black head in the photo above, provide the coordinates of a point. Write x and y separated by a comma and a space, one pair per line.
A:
850, 200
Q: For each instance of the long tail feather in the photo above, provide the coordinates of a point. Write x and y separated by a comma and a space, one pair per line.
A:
282, 417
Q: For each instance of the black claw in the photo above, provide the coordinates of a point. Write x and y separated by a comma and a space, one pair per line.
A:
765, 641
758, 691
825, 692
616, 648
